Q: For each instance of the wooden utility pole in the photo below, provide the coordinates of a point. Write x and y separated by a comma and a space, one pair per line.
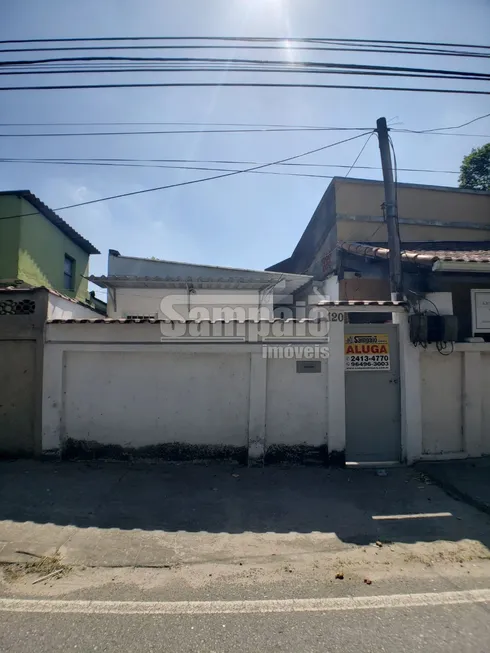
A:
391, 212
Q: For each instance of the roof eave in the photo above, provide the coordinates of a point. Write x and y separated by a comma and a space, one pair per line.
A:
461, 266
292, 283
378, 182
365, 306
267, 272
55, 219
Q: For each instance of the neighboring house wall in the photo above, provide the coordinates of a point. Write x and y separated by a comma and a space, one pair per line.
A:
148, 302
42, 250
9, 236
356, 199
357, 288
21, 355
316, 250
22, 320
116, 390
332, 288
351, 211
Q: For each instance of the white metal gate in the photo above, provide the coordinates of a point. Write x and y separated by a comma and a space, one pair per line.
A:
372, 393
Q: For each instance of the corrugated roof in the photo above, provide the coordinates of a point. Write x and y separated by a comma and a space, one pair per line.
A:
227, 268
129, 277
421, 256
55, 219
284, 284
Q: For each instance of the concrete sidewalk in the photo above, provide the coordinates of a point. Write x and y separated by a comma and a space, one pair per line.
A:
157, 515
467, 480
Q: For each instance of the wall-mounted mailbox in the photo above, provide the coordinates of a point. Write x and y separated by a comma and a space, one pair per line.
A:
308, 367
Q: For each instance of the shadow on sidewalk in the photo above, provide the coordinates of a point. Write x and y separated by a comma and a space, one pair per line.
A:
231, 499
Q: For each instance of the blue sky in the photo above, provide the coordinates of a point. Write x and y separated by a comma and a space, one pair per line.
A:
249, 220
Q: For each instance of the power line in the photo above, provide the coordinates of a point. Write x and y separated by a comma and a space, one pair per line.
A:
429, 43
195, 124
436, 133
152, 163
153, 133
438, 129
402, 47
228, 62
57, 87
201, 168
465, 124
360, 153
251, 130
177, 131
239, 66
228, 69
260, 130
284, 48
242, 69
198, 181
171, 167
235, 124
242, 38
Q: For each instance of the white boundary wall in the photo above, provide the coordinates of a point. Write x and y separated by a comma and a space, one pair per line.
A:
455, 402
117, 384
112, 388
445, 399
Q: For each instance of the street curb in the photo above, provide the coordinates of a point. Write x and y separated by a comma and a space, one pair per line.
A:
456, 493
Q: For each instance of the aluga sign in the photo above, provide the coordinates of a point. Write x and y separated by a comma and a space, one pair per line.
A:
367, 351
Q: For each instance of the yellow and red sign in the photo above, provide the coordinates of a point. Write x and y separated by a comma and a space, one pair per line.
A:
367, 351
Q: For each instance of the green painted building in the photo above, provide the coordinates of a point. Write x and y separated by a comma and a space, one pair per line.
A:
39, 248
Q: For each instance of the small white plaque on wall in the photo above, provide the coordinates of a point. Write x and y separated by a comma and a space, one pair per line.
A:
480, 311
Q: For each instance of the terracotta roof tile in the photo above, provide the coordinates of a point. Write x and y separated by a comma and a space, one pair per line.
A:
420, 256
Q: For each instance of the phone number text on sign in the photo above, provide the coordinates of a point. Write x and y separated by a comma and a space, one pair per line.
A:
367, 351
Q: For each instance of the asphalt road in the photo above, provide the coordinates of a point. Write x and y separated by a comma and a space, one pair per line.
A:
249, 561
347, 624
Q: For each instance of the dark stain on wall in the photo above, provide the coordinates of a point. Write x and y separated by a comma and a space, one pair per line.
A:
172, 451
299, 454
336, 458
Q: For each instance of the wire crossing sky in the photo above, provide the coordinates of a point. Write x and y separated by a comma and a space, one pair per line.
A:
158, 124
